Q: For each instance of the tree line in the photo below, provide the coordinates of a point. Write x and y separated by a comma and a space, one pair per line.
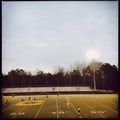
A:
106, 77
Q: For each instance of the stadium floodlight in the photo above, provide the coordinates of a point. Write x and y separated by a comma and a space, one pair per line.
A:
92, 55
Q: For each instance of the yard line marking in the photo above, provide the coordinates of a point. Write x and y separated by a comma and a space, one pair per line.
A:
107, 107
106, 101
112, 102
39, 109
8, 107
57, 109
71, 105
89, 107
19, 111
92, 108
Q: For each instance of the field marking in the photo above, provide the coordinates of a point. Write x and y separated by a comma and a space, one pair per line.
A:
8, 107
111, 102
39, 109
107, 107
57, 109
27, 103
72, 105
89, 107
19, 112
92, 108
105, 100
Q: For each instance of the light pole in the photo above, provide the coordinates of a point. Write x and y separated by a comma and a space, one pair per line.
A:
92, 55
94, 79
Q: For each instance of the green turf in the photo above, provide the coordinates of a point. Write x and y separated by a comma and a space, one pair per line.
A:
91, 105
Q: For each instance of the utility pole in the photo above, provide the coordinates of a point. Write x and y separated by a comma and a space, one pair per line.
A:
94, 79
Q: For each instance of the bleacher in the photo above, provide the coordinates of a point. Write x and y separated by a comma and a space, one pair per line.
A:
45, 90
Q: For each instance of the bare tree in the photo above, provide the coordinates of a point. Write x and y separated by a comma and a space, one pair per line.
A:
59, 69
78, 66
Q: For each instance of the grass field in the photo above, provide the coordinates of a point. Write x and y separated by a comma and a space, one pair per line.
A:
53, 106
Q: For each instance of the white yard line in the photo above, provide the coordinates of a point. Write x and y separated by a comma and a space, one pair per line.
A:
8, 107
39, 109
111, 102
72, 105
106, 101
74, 108
107, 107
94, 110
57, 109
88, 106
20, 112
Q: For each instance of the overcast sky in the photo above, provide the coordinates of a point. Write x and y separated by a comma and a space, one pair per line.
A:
42, 35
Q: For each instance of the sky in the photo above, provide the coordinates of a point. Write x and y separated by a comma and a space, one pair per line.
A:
43, 35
